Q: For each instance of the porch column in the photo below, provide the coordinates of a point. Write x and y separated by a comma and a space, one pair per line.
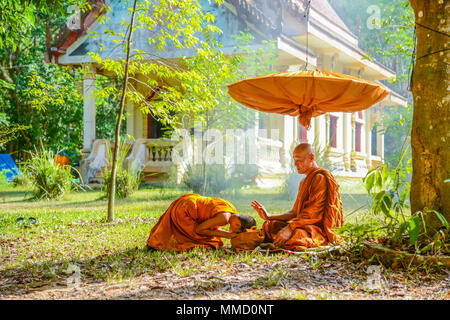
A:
347, 142
130, 118
380, 143
287, 138
320, 131
88, 110
139, 118
256, 127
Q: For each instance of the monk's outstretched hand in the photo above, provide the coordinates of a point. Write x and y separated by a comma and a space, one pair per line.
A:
282, 236
260, 209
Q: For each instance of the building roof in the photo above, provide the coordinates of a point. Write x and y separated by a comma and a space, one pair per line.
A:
268, 23
247, 9
66, 36
323, 7
394, 97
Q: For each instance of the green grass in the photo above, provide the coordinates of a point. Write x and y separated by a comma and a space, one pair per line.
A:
73, 230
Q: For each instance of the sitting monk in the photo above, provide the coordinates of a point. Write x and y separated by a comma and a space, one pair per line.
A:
193, 221
316, 212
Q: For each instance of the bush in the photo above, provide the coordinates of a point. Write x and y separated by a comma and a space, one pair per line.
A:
3, 179
48, 179
126, 182
242, 177
215, 179
21, 180
218, 179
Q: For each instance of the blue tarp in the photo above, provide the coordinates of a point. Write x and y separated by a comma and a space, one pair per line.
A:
7, 163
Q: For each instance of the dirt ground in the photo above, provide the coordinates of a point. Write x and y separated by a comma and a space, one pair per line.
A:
336, 278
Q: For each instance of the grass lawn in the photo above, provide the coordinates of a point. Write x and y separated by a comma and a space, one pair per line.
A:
74, 228
73, 231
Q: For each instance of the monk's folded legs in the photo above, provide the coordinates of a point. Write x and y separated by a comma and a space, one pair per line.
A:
302, 238
271, 228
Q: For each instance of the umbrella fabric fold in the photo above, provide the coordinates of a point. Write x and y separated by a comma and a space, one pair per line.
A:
307, 94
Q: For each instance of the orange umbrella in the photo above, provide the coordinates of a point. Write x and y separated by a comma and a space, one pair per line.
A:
307, 94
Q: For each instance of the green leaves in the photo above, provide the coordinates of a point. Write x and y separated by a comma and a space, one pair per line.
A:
441, 218
369, 180
389, 190
42, 93
414, 229
6, 85
49, 179
171, 24
16, 22
376, 179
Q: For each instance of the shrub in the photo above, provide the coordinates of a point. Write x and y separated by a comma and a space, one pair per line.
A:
193, 178
3, 179
126, 182
48, 179
21, 180
388, 190
215, 178
242, 176
219, 179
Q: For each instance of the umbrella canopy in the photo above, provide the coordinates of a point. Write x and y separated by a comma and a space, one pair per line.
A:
307, 94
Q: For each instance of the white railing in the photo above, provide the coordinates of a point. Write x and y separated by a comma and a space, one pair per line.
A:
96, 160
269, 159
269, 149
158, 155
150, 153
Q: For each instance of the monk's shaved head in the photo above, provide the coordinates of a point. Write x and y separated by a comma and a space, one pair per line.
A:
304, 158
304, 148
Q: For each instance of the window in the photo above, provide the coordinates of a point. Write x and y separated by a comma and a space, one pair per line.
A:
374, 139
303, 133
261, 121
154, 128
358, 137
333, 131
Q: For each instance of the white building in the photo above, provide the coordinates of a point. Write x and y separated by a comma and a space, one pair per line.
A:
354, 144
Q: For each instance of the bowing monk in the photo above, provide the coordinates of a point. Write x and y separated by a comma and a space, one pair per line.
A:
193, 221
316, 212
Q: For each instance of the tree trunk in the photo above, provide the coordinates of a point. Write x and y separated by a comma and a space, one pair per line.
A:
119, 120
204, 151
430, 136
204, 178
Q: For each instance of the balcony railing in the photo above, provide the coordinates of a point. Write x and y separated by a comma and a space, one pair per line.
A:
153, 156
148, 153
270, 156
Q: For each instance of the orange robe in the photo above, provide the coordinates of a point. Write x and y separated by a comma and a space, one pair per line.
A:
318, 211
175, 229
